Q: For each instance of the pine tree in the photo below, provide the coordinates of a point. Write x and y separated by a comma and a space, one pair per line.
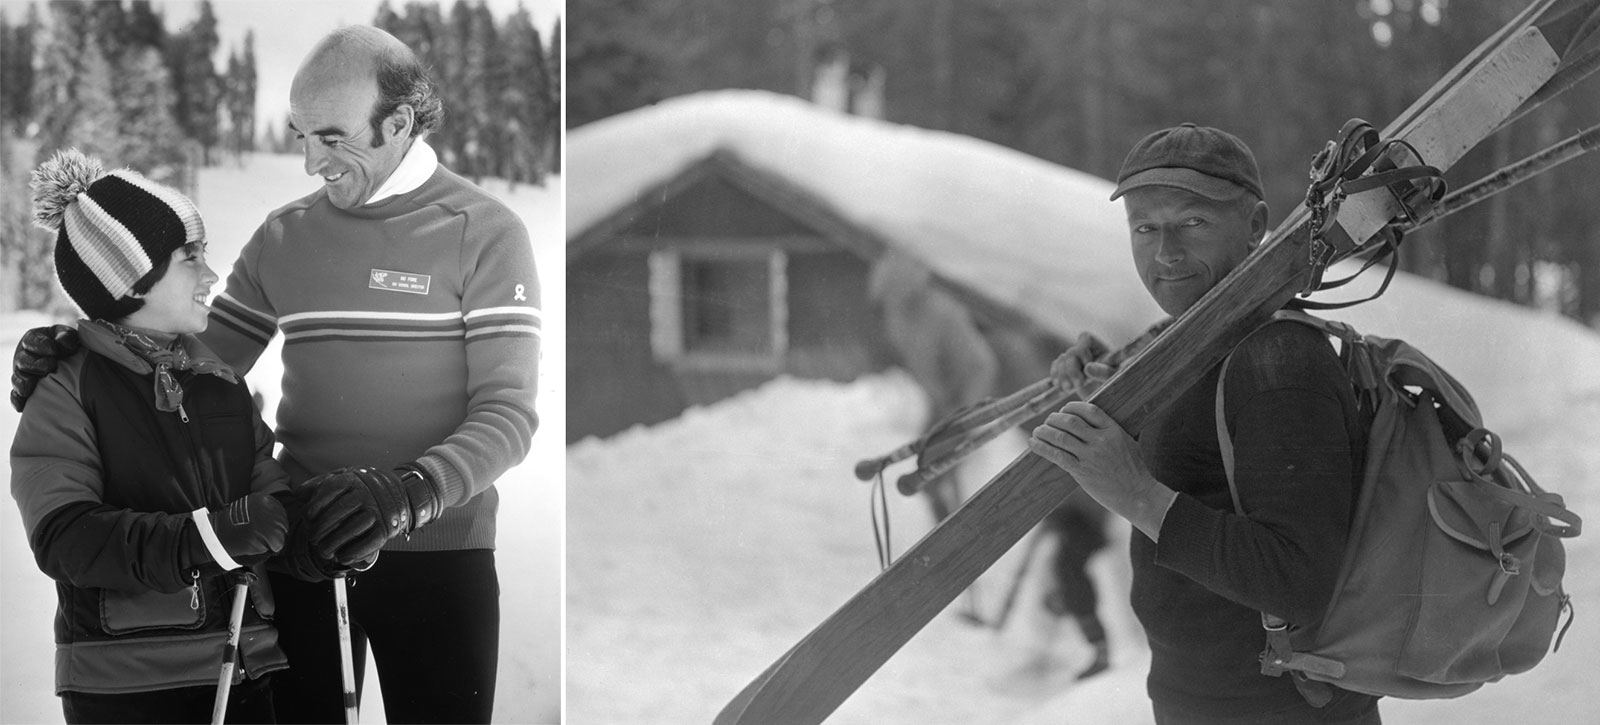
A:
144, 26
388, 21
194, 78
240, 98
147, 136
554, 98
73, 95
521, 80
617, 59
17, 70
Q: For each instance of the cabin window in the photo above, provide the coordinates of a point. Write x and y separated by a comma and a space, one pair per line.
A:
723, 308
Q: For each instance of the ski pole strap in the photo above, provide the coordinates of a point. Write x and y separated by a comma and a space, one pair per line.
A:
878, 502
1358, 161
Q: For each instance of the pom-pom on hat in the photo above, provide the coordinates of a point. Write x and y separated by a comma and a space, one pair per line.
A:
112, 229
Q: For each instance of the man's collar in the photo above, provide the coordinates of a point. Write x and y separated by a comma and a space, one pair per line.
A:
415, 168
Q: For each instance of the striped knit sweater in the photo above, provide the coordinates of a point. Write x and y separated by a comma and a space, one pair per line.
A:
411, 333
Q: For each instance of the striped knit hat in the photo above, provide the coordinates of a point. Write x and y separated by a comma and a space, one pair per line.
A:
112, 229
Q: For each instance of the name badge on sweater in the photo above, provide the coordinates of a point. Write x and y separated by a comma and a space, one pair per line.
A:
410, 282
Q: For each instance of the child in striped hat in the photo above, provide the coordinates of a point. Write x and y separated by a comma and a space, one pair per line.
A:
142, 470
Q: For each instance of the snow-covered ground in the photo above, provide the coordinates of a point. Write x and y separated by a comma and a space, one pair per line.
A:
702, 548
233, 200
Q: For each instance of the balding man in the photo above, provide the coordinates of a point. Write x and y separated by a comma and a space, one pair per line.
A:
408, 302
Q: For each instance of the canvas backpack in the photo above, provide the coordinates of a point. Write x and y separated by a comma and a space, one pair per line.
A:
1451, 577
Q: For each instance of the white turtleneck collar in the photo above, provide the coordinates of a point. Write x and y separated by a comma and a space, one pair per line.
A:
416, 167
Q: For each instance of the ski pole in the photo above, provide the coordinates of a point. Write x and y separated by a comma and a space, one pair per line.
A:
230, 651
959, 424
1572, 147
1010, 602
341, 601
1051, 399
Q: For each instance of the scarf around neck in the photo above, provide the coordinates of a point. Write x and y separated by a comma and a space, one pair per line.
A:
184, 352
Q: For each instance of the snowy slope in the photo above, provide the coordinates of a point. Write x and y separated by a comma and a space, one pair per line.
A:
1039, 237
233, 201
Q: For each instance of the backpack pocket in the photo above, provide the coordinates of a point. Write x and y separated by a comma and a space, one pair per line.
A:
1485, 562
128, 612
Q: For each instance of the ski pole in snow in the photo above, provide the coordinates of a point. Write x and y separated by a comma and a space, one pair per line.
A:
341, 601
230, 651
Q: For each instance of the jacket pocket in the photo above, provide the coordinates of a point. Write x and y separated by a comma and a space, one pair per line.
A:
126, 612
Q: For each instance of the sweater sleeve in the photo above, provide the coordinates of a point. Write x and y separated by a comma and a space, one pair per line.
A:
500, 306
242, 320
1294, 472
56, 481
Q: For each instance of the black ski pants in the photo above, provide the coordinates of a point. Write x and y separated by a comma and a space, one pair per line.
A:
248, 702
433, 620
1079, 535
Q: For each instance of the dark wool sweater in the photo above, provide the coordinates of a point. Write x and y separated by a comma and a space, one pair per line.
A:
1198, 593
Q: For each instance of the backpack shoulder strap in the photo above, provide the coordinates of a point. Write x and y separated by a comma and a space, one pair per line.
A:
1279, 655
1225, 441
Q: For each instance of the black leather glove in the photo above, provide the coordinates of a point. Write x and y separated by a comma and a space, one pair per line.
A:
353, 512
250, 530
301, 562
37, 354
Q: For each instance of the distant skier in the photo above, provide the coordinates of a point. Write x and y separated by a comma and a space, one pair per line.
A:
1078, 526
934, 338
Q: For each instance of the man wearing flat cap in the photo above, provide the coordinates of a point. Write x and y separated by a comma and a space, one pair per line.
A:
1204, 567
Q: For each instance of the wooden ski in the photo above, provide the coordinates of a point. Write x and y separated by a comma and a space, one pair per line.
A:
815, 676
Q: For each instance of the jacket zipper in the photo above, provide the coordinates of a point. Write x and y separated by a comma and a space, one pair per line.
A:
194, 601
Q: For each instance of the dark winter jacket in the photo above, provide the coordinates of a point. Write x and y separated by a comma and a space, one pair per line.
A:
1198, 591
106, 484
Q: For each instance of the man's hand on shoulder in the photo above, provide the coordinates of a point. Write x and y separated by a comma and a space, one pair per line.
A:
38, 352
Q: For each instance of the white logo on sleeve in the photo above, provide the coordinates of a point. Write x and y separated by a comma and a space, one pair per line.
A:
517, 295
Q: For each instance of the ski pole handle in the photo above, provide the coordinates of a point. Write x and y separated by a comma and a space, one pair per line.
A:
1050, 399
869, 467
341, 602
230, 651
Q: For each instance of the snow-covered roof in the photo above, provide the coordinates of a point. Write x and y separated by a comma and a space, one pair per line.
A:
1037, 237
